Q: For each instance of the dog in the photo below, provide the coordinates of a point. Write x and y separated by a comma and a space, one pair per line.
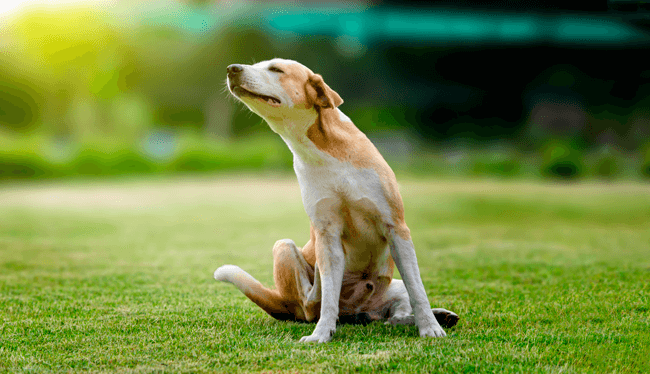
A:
350, 194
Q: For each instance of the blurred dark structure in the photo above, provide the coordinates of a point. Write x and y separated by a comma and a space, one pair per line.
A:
576, 85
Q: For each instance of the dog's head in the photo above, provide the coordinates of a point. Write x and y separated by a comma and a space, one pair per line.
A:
280, 89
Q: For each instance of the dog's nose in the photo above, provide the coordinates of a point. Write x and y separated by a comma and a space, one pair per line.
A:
234, 69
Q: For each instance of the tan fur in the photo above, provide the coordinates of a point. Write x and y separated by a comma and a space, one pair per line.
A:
345, 142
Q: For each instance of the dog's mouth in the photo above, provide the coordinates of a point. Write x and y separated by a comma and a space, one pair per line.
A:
239, 91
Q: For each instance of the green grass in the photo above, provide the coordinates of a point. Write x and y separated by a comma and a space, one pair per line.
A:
117, 277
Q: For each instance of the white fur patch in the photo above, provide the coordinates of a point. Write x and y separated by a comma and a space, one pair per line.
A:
343, 117
338, 181
235, 275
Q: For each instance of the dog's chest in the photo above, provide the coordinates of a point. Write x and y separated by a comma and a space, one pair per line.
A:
336, 192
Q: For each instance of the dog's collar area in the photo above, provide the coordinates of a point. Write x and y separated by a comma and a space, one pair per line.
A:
240, 91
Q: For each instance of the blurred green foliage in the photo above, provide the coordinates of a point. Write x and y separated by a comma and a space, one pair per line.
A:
645, 168
562, 159
34, 157
138, 89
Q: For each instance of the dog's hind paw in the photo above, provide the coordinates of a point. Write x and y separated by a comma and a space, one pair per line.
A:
445, 318
226, 272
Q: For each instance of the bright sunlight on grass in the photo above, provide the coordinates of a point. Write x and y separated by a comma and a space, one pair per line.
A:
117, 276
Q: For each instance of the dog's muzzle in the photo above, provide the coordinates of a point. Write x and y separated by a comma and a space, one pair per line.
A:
235, 85
234, 69
234, 75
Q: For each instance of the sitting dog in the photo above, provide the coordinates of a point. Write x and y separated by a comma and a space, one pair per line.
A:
350, 194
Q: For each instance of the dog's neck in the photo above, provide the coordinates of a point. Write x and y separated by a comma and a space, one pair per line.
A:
300, 131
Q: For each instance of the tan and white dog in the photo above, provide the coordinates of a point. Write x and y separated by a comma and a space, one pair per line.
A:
350, 194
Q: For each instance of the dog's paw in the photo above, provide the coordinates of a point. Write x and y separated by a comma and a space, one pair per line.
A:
313, 338
319, 336
445, 318
432, 331
225, 272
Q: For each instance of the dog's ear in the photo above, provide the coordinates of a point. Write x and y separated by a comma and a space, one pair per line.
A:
320, 94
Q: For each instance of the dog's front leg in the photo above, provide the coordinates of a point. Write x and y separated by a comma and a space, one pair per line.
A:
403, 253
331, 263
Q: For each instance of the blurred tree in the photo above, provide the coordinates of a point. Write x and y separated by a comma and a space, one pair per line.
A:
562, 159
19, 107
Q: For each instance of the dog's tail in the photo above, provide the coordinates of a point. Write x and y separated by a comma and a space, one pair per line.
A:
269, 300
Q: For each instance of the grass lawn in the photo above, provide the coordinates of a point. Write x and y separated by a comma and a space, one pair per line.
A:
117, 277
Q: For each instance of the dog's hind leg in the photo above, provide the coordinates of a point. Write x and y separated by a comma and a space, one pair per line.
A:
400, 312
398, 305
269, 300
296, 279
292, 276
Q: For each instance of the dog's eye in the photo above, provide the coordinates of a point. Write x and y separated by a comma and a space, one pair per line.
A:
275, 69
